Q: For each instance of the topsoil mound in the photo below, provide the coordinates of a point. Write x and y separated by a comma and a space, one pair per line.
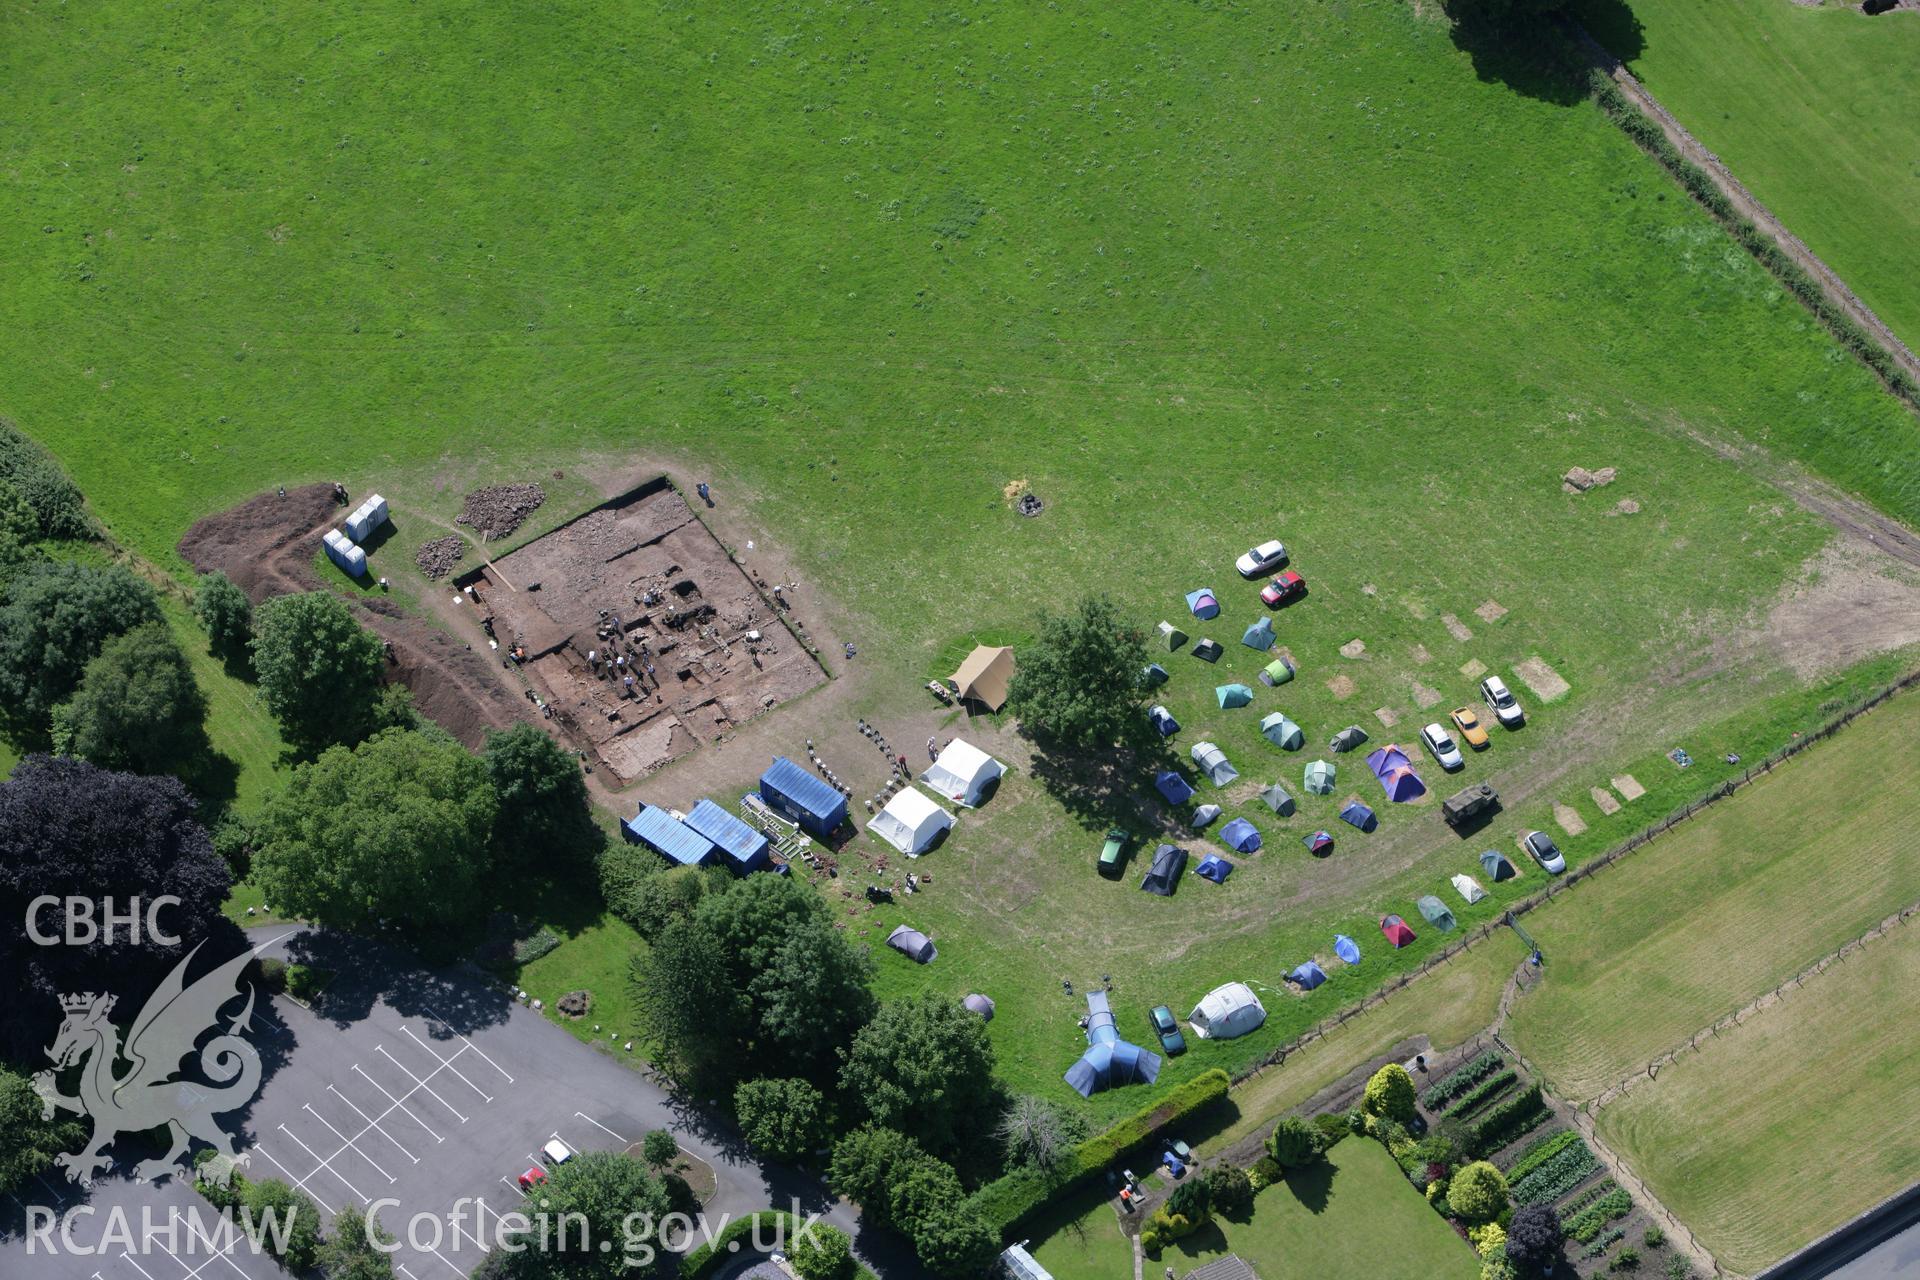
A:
265, 545
498, 510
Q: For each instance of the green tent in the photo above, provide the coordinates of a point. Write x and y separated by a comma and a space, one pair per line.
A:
1283, 733
1171, 636
1279, 671
1233, 695
1278, 800
1319, 778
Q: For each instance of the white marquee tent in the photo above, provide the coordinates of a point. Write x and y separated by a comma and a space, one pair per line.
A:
963, 773
910, 822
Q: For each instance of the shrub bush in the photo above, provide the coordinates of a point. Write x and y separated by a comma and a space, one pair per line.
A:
1496, 1266
1009, 1201
1328, 1130
824, 1253
1192, 1200
1558, 1174
703, 1258
1265, 1172
1627, 1259
1293, 1143
33, 473
1604, 1243
1478, 1192
1653, 1237
1229, 1188
1487, 1237
1463, 1078
1389, 1093
1678, 1269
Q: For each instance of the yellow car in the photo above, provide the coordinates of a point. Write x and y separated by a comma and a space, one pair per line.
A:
1468, 724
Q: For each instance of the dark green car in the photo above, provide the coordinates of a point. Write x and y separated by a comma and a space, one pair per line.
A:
1168, 1029
1113, 855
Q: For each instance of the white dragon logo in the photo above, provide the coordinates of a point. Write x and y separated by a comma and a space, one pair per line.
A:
148, 1095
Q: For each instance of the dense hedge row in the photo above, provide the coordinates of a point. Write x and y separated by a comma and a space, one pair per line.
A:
1007, 1202
1462, 1079
1789, 273
1481, 1094
703, 1258
1509, 1120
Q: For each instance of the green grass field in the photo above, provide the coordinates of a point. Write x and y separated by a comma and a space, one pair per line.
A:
1785, 1127
1351, 1217
1198, 277
1723, 908
1816, 110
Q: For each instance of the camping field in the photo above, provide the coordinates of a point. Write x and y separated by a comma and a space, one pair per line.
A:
1351, 1217
1814, 108
1723, 908
1783, 1128
1197, 278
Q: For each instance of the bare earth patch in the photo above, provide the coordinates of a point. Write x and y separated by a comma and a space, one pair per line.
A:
1604, 799
1421, 655
1341, 687
1542, 679
1570, 821
1629, 787
1626, 507
1854, 602
1353, 648
1424, 697
1456, 628
1387, 716
1473, 669
1491, 611
1418, 609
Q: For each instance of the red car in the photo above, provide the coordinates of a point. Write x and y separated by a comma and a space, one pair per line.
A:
532, 1178
1285, 587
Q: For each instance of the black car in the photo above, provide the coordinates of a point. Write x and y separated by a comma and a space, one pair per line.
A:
1168, 1029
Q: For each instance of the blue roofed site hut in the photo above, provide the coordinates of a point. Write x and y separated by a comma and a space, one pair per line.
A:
666, 835
802, 797
744, 848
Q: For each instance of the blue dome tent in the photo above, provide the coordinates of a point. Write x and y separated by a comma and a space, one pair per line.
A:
1241, 836
1215, 868
1346, 948
1308, 976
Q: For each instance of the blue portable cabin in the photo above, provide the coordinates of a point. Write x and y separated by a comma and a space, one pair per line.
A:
802, 797
745, 849
667, 836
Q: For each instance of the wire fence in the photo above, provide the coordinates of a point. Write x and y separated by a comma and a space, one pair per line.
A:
1578, 876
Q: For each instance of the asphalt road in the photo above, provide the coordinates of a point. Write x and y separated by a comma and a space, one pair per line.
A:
425, 1094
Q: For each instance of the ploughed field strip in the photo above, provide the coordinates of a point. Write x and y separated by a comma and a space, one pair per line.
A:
640, 635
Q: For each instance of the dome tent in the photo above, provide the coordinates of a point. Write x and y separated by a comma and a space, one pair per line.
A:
1319, 777
913, 944
1346, 948
1203, 603
1495, 864
1319, 844
1259, 635
1241, 836
1215, 868
1282, 732
1172, 787
1468, 888
1205, 814
1213, 762
1307, 976
1232, 695
982, 1005
1276, 798
1227, 1011
1396, 930
1109, 1061
1277, 672
1171, 637
1358, 815
1162, 719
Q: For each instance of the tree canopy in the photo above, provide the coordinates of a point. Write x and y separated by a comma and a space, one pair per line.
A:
223, 609
1078, 684
350, 1251
395, 827
621, 1204
544, 817
72, 829
1293, 1143
137, 706
824, 1253
55, 616
1535, 1239
1390, 1093
696, 1021
28, 1143
319, 670
1478, 1192
782, 1119
924, 1066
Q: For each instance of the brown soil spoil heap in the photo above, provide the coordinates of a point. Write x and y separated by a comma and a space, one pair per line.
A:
496, 511
638, 583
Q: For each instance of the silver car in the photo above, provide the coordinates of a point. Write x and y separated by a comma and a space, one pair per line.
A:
1500, 700
1441, 744
1261, 559
1541, 848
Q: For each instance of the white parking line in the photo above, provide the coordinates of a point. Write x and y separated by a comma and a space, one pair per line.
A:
418, 1082
457, 1270
397, 1103
374, 1124
596, 1124
471, 1045
137, 1267
448, 1064
326, 1164
308, 1108
300, 1184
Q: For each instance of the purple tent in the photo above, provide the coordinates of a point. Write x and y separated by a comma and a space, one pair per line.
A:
1395, 771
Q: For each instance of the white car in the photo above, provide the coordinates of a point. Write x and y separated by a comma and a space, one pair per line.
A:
1441, 744
1541, 848
1500, 700
557, 1153
1262, 559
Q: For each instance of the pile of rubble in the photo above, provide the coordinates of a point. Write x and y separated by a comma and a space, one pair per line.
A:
437, 558
1579, 479
498, 510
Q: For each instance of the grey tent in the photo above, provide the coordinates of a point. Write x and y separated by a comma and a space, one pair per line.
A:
912, 944
1171, 636
1348, 738
1436, 913
1278, 800
982, 1005
1213, 762
1259, 635
1319, 777
1153, 675
1164, 875
1203, 815
1283, 733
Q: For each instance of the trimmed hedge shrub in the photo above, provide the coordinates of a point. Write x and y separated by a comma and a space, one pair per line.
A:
1461, 1079
1008, 1201
703, 1258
